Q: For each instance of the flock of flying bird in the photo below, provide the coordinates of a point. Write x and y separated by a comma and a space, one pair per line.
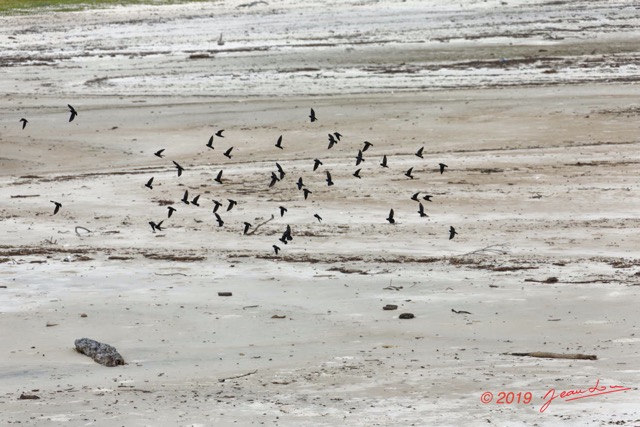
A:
334, 138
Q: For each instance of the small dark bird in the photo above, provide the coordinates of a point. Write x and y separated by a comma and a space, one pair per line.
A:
428, 197
218, 178
337, 135
332, 141
359, 158
232, 203
280, 170
220, 221
306, 193
282, 211
180, 168
73, 112
318, 217
24, 122
195, 200
185, 198
419, 152
155, 226
415, 196
357, 174
329, 181
442, 166
216, 204
159, 153
316, 163
247, 226
276, 249
279, 143
452, 232
299, 183
384, 162
367, 144
390, 219
171, 211
210, 143
148, 184
274, 179
286, 236
57, 208
219, 133
408, 173
312, 116
421, 211
228, 153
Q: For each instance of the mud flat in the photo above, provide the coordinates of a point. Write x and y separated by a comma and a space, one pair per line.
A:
533, 107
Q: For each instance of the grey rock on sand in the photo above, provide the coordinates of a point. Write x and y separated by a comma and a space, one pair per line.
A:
103, 354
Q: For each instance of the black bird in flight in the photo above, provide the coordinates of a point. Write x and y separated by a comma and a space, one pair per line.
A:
185, 198
180, 168
219, 133
57, 208
216, 204
274, 179
155, 226
384, 162
357, 174
171, 211
390, 218
337, 135
332, 141
419, 152
428, 197
279, 143
210, 143
367, 144
452, 232
280, 170
24, 122
312, 116
359, 158
228, 153
442, 166
408, 173
316, 163
318, 217
282, 211
149, 184
232, 203
286, 236
195, 200
218, 178
421, 211
299, 183
415, 196
73, 112
220, 221
306, 193
159, 153
276, 249
247, 226
329, 181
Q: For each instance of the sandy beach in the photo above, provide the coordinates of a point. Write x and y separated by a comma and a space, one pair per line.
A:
532, 105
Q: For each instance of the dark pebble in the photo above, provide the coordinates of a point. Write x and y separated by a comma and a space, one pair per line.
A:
390, 307
407, 316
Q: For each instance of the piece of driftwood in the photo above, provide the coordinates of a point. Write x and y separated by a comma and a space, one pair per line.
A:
238, 376
103, 354
547, 355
